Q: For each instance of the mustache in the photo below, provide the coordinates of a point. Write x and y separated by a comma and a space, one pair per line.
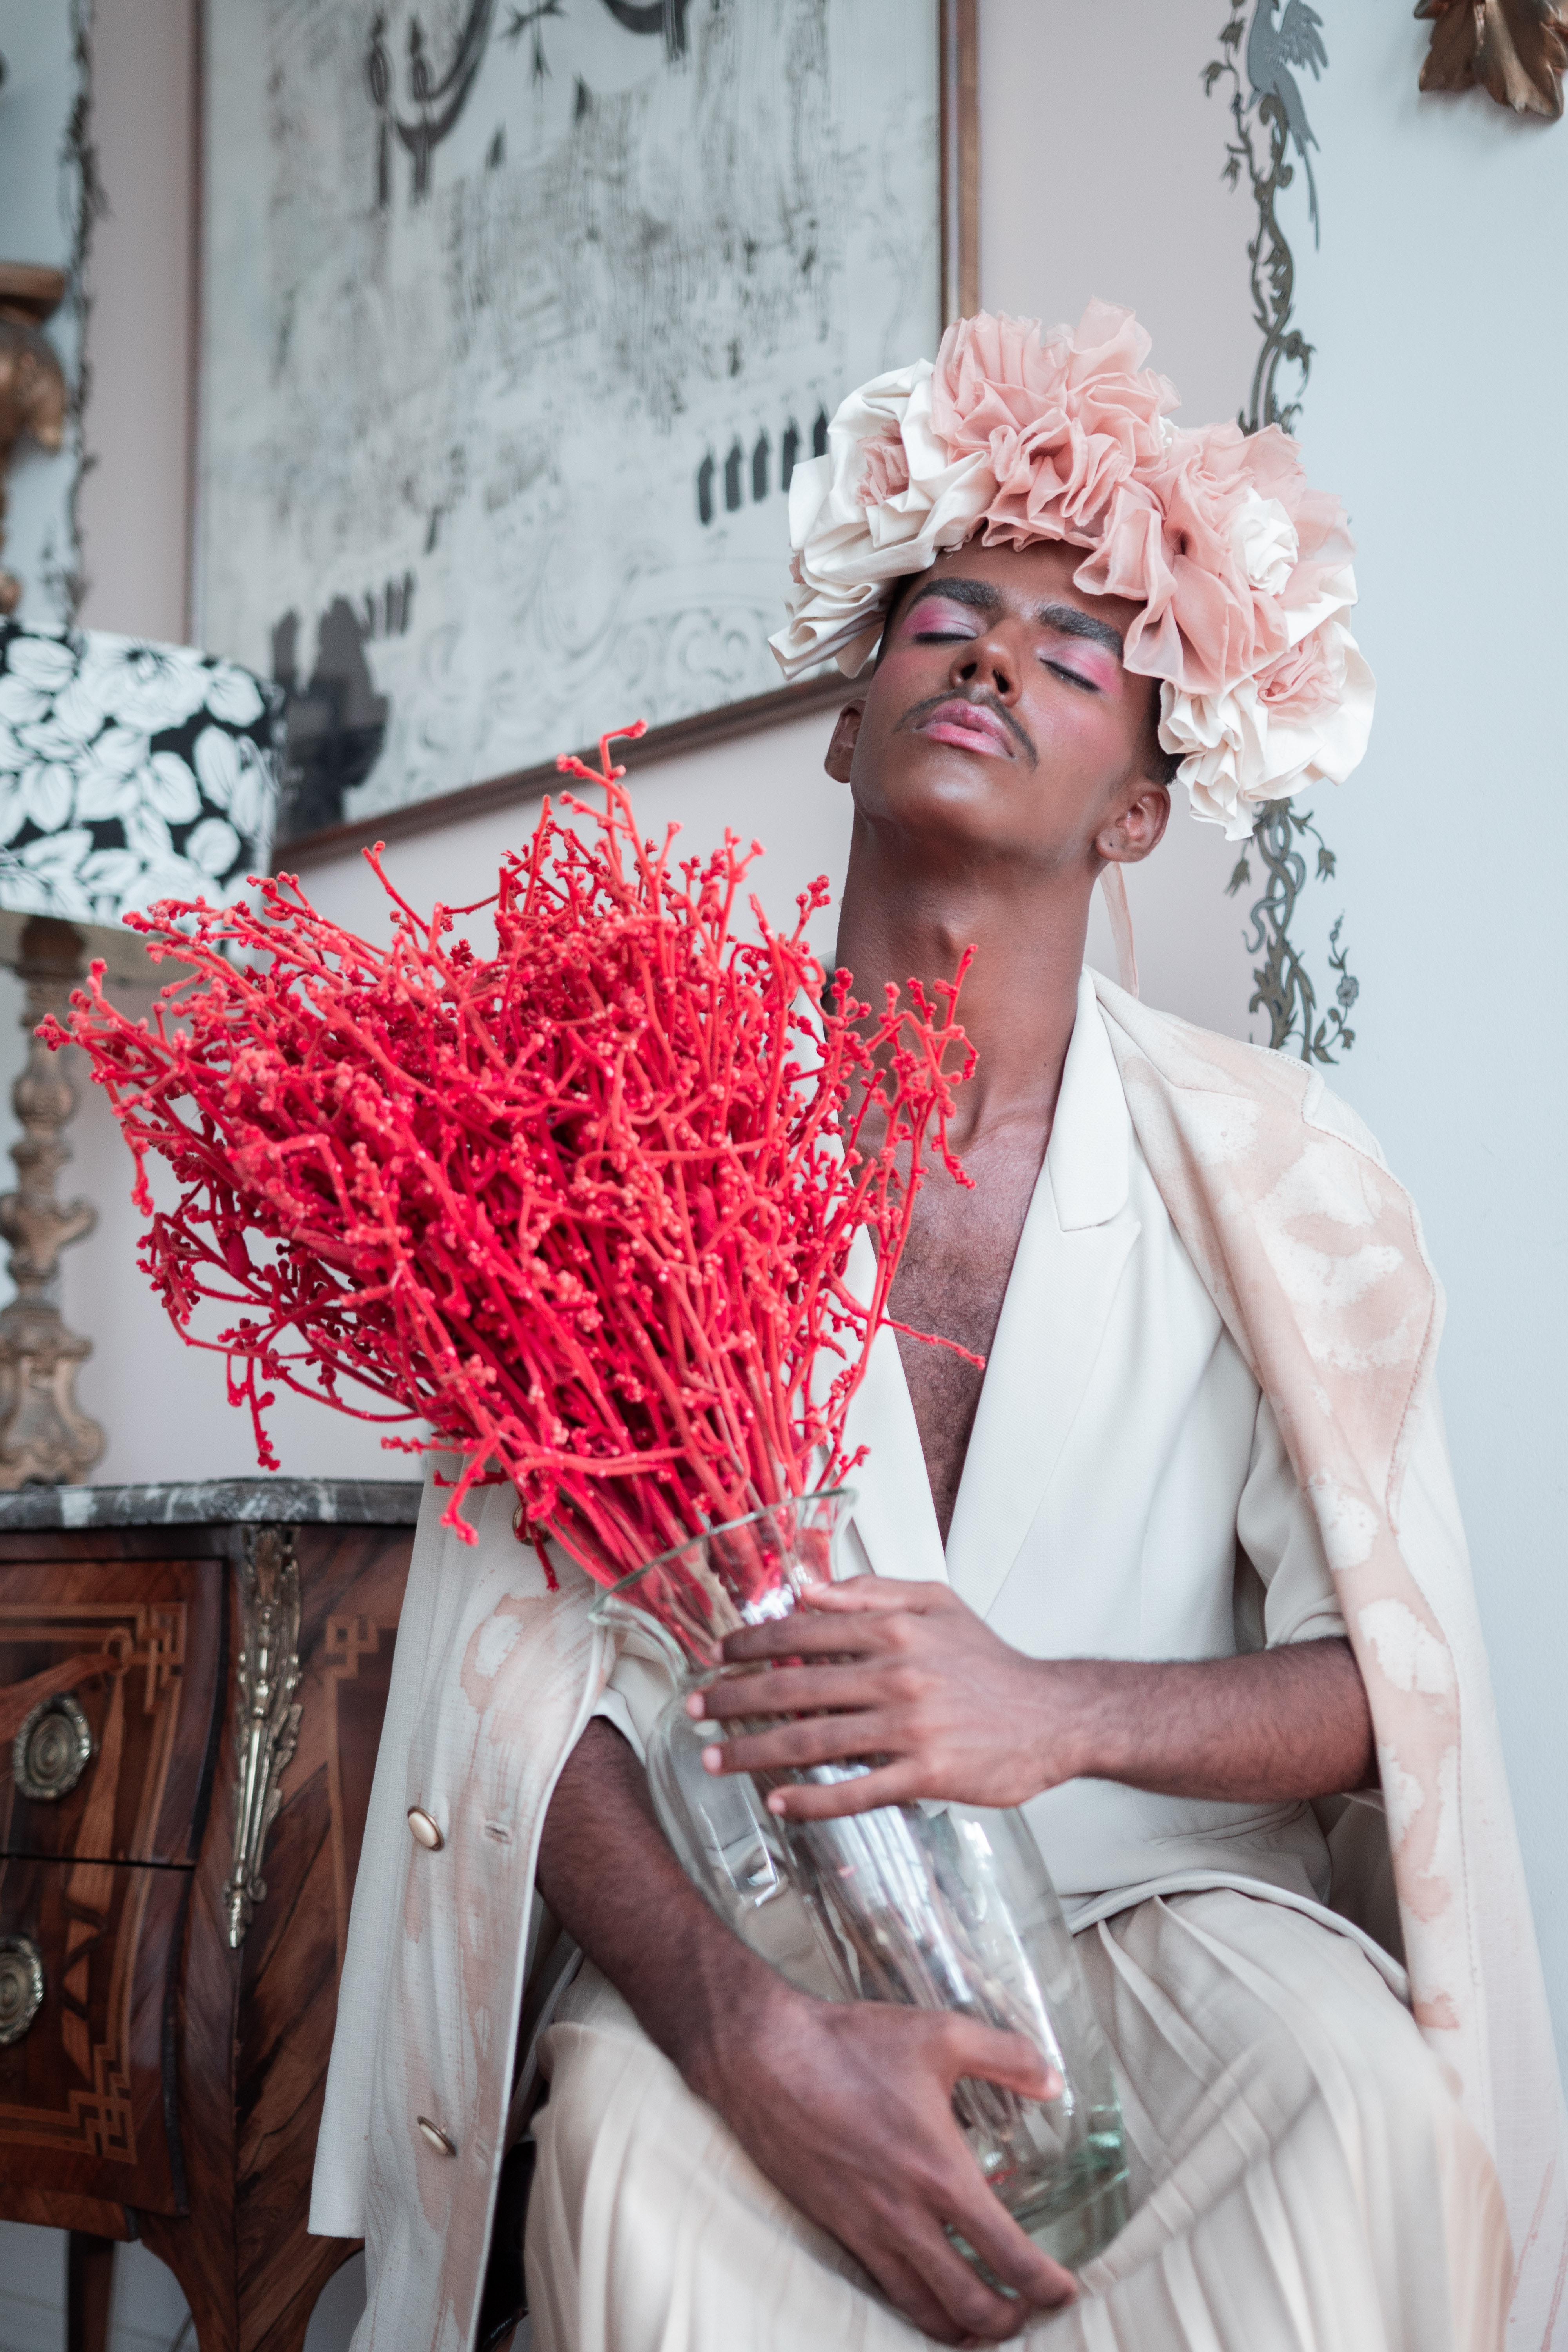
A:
982, 700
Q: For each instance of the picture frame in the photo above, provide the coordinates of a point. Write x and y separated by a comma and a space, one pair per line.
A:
267, 536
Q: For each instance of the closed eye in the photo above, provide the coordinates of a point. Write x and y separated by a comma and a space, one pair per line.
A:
943, 629
1073, 677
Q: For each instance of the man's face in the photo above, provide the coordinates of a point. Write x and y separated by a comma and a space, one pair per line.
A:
1000, 720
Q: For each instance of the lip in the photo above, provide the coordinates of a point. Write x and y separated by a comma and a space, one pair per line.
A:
970, 726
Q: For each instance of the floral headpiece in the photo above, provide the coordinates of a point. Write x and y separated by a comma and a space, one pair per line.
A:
1242, 570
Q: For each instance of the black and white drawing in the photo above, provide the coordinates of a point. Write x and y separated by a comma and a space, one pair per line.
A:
516, 316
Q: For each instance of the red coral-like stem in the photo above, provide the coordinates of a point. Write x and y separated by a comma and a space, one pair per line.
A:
584, 1206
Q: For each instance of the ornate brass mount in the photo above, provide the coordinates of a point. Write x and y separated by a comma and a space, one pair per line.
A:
21, 1986
267, 1715
52, 1750
32, 384
44, 1435
1517, 49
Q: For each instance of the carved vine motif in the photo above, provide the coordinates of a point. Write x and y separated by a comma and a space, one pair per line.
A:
1269, 104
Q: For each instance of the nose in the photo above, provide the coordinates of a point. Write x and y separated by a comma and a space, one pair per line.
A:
985, 661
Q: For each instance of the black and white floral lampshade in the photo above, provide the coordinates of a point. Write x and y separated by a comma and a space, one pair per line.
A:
130, 772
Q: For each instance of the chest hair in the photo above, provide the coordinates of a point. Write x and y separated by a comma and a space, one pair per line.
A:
951, 1279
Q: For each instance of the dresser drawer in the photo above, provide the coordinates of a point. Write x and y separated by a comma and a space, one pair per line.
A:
87, 2079
109, 1682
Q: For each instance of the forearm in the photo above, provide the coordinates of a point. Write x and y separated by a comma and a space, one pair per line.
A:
608, 1874
1272, 1727
845, 2106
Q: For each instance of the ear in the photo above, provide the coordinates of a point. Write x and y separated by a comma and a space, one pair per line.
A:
1138, 829
845, 735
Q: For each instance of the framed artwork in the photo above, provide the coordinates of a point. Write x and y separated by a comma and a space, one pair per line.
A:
516, 316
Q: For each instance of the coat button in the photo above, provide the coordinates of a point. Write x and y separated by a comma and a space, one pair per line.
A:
423, 1830
436, 2137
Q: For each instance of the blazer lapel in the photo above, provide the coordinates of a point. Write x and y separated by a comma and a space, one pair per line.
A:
1076, 1242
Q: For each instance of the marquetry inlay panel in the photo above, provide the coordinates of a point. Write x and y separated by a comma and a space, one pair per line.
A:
135, 1650
81, 2092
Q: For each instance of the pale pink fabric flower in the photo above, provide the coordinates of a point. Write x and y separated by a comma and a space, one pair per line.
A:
1062, 423
1241, 571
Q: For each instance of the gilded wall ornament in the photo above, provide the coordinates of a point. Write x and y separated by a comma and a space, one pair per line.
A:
1264, 58
1516, 50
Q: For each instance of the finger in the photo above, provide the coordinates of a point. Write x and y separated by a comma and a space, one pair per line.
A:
807, 1634
866, 1597
908, 2293
994, 2055
891, 1784
787, 1690
789, 1747
975, 2309
868, 1594
987, 2226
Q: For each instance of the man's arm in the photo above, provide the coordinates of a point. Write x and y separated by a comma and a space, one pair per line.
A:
846, 2108
909, 1675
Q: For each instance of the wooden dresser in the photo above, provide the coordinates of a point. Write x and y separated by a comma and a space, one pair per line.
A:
192, 1684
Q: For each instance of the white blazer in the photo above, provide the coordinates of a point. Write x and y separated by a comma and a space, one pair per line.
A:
1126, 1495
1311, 1256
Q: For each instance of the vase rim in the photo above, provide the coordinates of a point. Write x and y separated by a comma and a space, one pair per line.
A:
847, 1494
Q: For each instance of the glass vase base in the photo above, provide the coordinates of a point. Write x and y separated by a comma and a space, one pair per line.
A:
1072, 2216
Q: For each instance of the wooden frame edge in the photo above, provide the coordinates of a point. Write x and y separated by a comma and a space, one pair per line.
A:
959, 215
959, 87
195, 262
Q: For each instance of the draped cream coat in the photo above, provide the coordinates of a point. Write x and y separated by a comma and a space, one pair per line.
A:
1312, 1255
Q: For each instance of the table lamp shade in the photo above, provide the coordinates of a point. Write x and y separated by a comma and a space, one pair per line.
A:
130, 772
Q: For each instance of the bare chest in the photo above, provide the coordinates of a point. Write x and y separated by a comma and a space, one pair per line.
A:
952, 1280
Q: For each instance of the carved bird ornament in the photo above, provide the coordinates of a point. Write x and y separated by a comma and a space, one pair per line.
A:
1517, 48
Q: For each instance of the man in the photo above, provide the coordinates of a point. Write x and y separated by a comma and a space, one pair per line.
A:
1118, 1576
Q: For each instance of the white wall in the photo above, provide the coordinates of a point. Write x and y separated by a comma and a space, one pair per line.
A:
1437, 405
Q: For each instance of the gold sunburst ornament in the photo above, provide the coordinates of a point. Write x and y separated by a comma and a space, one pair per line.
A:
1516, 48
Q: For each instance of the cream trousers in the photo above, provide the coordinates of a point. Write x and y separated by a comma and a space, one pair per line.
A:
1302, 2179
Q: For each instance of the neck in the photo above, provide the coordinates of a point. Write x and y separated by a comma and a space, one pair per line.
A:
905, 915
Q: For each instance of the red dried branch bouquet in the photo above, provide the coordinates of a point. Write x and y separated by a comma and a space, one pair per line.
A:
585, 1205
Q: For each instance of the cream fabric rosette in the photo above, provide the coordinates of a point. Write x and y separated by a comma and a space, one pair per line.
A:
1242, 570
1301, 719
886, 500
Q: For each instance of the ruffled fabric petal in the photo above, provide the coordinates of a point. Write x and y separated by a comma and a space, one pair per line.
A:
1241, 569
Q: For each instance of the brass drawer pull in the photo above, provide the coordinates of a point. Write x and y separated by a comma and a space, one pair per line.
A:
21, 1986
52, 1750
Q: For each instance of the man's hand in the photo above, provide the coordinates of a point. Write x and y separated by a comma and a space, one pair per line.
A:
847, 2108
907, 1677
904, 1672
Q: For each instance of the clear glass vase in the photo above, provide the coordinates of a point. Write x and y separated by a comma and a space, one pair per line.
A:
940, 1905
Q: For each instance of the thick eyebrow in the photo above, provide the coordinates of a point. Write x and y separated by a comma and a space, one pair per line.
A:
1066, 619
978, 593
1068, 622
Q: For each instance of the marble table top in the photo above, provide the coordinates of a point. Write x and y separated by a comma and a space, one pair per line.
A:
291, 1502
